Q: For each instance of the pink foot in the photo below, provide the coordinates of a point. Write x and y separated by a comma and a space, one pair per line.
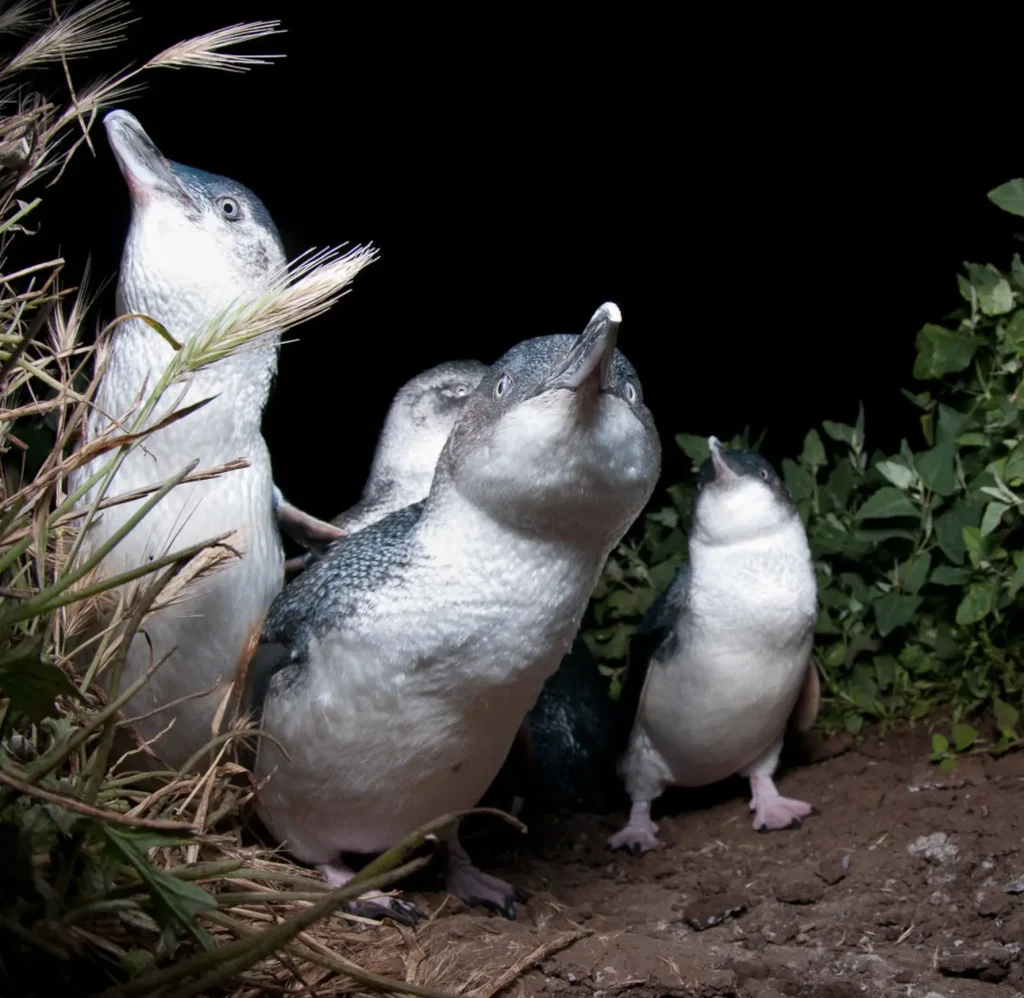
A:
464, 881
371, 907
772, 811
640, 834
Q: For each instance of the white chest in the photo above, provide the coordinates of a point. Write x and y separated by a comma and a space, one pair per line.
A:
410, 712
742, 655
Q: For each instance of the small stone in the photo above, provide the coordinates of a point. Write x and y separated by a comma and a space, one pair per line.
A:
993, 905
706, 913
585, 912
832, 869
779, 931
710, 882
799, 888
988, 966
903, 977
936, 848
1015, 887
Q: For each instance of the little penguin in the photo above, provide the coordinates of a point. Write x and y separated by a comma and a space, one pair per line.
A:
723, 658
197, 242
396, 670
418, 422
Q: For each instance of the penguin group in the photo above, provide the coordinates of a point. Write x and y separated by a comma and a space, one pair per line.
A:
423, 652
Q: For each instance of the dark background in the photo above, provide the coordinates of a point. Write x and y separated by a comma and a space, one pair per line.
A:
775, 225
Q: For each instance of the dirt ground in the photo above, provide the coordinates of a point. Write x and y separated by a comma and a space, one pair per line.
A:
909, 882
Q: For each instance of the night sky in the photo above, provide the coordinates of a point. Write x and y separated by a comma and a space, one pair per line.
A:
773, 238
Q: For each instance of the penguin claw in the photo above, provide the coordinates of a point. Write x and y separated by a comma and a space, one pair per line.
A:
775, 813
635, 839
506, 907
474, 887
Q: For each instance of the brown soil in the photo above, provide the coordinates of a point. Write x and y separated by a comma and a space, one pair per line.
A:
901, 885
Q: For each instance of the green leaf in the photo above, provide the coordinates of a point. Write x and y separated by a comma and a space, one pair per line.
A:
978, 602
886, 502
854, 723
1017, 579
951, 423
993, 514
895, 610
939, 744
946, 575
1009, 196
174, 901
694, 447
995, 296
899, 474
839, 431
798, 479
31, 684
935, 467
915, 573
941, 352
813, 455
1006, 716
963, 737
950, 525
974, 544
949, 764
1013, 466
1017, 271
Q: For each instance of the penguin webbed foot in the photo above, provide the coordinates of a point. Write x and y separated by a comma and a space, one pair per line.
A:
772, 811
475, 887
379, 908
636, 838
375, 907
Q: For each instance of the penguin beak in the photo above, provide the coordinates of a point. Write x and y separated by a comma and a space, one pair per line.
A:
145, 169
589, 361
723, 473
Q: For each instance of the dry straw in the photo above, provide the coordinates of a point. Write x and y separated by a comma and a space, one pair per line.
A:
109, 887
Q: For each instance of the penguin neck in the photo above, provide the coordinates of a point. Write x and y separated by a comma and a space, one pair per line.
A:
516, 566
138, 357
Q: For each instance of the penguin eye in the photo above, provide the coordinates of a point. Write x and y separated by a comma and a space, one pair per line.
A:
764, 474
503, 385
229, 207
630, 393
461, 390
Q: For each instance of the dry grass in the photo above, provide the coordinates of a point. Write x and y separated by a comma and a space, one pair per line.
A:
108, 887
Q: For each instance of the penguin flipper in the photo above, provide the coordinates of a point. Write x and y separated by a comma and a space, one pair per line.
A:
654, 640
805, 713
312, 533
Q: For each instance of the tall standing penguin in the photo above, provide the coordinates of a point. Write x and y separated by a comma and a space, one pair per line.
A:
197, 244
396, 670
722, 660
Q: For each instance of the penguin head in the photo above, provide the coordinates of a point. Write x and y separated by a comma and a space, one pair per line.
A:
194, 235
739, 496
419, 422
556, 437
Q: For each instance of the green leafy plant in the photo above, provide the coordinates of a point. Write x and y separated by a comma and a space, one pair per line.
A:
918, 553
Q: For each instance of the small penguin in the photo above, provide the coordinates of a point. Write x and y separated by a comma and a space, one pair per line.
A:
415, 429
723, 657
196, 244
396, 670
